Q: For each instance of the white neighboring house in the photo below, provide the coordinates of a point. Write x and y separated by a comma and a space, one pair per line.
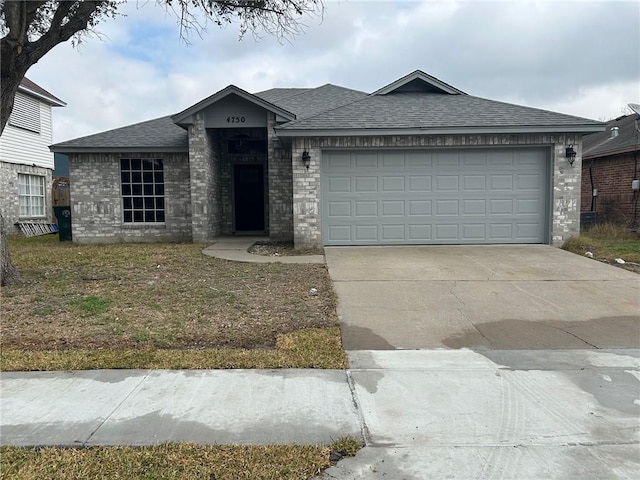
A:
26, 164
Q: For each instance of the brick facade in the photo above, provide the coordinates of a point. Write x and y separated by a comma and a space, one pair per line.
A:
205, 182
199, 185
96, 200
9, 193
280, 183
612, 176
565, 202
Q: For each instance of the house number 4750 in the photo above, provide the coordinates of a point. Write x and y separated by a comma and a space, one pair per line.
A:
235, 119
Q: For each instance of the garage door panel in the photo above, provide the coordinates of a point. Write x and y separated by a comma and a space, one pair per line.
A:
393, 184
501, 206
420, 183
419, 207
419, 160
366, 184
394, 161
447, 160
446, 232
433, 197
447, 207
339, 209
392, 208
339, 184
502, 182
339, 233
528, 206
446, 183
393, 232
366, 160
474, 183
501, 231
366, 233
474, 232
339, 161
474, 207
420, 233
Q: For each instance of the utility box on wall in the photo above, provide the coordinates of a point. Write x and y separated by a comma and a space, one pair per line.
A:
63, 216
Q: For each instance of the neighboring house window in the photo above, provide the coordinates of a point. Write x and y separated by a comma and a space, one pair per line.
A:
25, 113
31, 195
142, 183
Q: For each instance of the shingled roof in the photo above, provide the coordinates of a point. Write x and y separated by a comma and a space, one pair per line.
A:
434, 112
311, 101
603, 143
158, 135
414, 104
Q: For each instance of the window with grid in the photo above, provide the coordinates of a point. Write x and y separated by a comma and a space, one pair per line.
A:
142, 182
31, 195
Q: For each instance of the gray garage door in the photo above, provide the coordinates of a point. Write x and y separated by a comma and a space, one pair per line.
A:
466, 196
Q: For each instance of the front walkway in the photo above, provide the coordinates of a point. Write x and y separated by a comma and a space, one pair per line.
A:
235, 248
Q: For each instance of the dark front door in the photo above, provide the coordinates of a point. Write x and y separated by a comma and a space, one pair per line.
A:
249, 197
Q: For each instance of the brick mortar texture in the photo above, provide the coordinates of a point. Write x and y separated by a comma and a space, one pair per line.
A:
565, 183
9, 189
612, 176
96, 200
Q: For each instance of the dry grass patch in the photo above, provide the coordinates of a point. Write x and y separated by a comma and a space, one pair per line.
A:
141, 301
169, 461
311, 348
607, 242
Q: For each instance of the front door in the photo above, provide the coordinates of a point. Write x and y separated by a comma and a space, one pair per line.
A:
249, 198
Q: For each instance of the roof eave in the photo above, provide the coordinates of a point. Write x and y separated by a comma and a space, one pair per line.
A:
610, 153
54, 102
76, 149
364, 132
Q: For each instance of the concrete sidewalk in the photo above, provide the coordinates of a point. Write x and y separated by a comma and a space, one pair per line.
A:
145, 407
552, 414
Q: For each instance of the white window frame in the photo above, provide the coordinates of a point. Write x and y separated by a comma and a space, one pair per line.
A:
31, 196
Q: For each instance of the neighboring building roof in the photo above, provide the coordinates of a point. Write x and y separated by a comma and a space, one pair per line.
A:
32, 88
414, 113
158, 135
602, 143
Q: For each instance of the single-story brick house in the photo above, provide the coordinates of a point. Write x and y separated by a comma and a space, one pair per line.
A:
415, 162
609, 166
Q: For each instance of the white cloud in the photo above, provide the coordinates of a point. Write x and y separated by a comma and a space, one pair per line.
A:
574, 57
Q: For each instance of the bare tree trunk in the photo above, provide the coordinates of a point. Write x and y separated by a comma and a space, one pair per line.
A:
8, 272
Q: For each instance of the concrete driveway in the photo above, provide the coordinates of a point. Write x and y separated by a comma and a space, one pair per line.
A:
512, 297
488, 362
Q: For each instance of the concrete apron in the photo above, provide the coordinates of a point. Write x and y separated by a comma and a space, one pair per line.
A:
507, 381
543, 414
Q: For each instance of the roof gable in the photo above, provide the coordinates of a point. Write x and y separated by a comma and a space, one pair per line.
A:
184, 117
418, 82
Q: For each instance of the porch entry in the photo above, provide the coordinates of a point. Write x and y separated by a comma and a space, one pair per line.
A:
249, 202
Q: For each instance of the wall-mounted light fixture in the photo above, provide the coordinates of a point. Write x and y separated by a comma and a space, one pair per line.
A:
570, 153
306, 159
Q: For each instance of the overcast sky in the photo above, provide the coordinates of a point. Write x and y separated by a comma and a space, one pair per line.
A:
575, 57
